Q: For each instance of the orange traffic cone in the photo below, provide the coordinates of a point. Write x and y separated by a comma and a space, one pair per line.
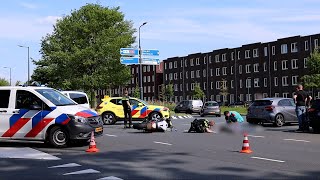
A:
246, 147
92, 146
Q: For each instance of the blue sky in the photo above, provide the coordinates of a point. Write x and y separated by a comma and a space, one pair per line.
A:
176, 27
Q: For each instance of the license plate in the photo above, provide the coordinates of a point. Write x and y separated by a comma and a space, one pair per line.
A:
98, 129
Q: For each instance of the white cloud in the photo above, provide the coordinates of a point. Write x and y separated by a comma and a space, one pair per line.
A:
28, 5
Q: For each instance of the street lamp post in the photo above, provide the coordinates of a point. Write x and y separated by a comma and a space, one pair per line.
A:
10, 73
28, 62
140, 62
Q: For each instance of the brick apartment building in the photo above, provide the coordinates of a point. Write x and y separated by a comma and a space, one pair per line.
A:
249, 72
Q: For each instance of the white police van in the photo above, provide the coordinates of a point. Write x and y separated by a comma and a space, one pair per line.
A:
79, 97
44, 114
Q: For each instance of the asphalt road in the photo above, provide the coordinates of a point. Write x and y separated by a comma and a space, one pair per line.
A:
278, 153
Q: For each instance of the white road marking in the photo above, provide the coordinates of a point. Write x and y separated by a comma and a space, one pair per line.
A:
162, 143
180, 117
25, 153
86, 171
111, 135
173, 117
296, 140
266, 159
66, 165
110, 178
255, 136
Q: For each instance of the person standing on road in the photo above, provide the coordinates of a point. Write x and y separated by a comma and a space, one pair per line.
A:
301, 99
126, 109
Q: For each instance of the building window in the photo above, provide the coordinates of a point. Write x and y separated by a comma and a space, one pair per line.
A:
232, 55
170, 65
192, 86
284, 64
165, 66
265, 51
275, 66
176, 87
217, 84
144, 68
248, 68
273, 49
204, 86
240, 83
294, 80
248, 96
211, 85
192, 74
275, 81
187, 87
204, 72
181, 98
256, 82
148, 68
186, 74
264, 66
306, 45
198, 73
175, 65
276, 94
231, 98
265, 82
224, 71
284, 48
265, 95
231, 70
305, 64
239, 55
255, 53
224, 57
217, 58
294, 47
170, 76
175, 76
231, 84
256, 67
294, 64
197, 61
150, 78
248, 83
211, 72
181, 75
145, 79
241, 97
316, 43
210, 60
218, 98
247, 54
285, 95
240, 69
132, 70
205, 60
181, 87
191, 62
217, 71
186, 63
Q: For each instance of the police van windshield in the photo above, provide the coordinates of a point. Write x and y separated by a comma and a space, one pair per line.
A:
55, 97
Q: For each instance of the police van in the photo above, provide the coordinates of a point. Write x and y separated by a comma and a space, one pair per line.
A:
44, 114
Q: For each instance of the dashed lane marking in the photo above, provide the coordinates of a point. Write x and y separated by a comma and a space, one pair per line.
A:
256, 136
110, 178
266, 159
297, 140
111, 135
162, 143
86, 171
66, 165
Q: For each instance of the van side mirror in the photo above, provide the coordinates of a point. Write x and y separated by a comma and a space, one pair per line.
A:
35, 107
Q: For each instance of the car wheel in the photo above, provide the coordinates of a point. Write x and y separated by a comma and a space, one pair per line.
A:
155, 116
279, 120
109, 118
58, 137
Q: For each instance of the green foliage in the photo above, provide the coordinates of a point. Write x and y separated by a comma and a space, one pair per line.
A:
198, 93
240, 109
313, 79
136, 92
162, 92
169, 91
83, 50
4, 82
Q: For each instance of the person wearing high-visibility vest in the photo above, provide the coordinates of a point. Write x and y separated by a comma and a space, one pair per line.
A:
126, 109
233, 116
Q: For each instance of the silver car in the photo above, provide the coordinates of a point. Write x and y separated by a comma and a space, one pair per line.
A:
210, 108
272, 110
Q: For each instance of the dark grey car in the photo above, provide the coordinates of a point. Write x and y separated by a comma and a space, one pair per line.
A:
272, 110
189, 106
210, 108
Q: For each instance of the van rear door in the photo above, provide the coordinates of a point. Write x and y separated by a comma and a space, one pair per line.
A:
5, 112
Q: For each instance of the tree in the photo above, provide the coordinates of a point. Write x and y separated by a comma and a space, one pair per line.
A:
18, 83
83, 50
4, 82
136, 92
198, 93
313, 63
169, 91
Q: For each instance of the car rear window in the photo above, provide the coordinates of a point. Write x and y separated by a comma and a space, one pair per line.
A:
211, 104
79, 98
262, 103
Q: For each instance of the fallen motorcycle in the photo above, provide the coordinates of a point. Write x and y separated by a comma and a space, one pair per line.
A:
154, 125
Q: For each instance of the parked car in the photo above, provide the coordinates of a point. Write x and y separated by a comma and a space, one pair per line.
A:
79, 97
236, 104
189, 106
314, 115
272, 110
210, 108
111, 110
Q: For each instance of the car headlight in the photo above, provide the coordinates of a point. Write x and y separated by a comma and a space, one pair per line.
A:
78, 119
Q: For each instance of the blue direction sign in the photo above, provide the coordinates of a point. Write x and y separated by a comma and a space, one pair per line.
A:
150, 52
129, 51
129, 60
150, 61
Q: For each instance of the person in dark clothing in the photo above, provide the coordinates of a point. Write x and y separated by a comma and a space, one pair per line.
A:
126, 109
201, 126
301, 99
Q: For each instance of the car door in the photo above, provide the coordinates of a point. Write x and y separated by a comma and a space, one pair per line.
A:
287, 110
139, 109
116, 107
5, 113
292, 110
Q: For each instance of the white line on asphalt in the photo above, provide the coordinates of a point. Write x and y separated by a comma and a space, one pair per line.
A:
256, 136
296, 140
274, 160
111, 135
162, 143
86, 171
110, 178
66, 165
